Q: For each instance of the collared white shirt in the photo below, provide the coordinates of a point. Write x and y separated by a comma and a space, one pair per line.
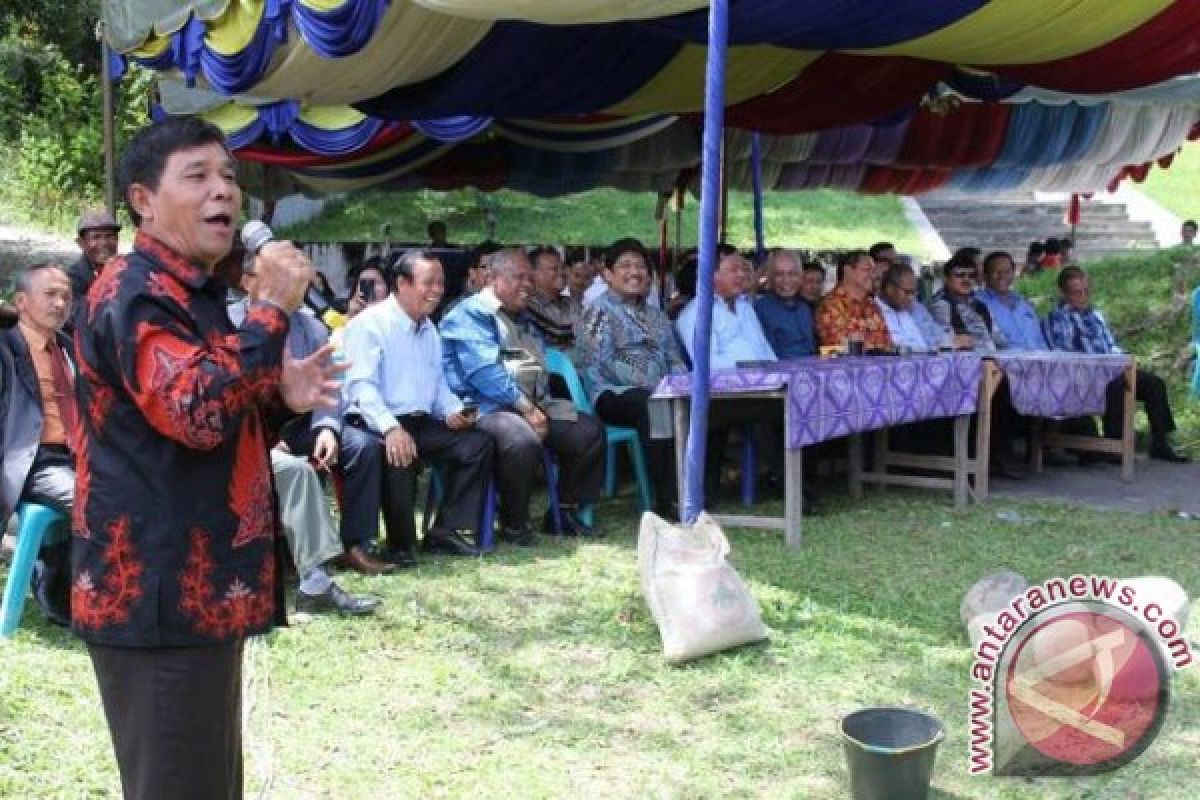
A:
737, 335
904, 328
395, 367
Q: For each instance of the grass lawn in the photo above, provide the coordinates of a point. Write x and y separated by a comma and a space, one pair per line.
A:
820, 219
537, 673
1178, 188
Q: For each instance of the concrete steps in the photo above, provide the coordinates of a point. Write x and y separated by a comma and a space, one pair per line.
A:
1011, 220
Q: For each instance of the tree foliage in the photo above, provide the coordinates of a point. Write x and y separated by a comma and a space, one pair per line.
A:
51, 133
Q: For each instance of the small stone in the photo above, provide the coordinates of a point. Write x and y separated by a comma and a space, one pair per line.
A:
990, 594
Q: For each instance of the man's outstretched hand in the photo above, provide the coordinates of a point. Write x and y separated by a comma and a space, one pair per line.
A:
313, 382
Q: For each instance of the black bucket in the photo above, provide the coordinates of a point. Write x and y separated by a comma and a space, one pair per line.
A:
890, 752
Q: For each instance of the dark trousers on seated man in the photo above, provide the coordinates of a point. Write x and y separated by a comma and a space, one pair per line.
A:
578, 447
360, 463
466, 461
51, 482
631, 409
1151, 392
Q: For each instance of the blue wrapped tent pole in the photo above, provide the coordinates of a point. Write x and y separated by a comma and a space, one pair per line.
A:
760, 246
714, 120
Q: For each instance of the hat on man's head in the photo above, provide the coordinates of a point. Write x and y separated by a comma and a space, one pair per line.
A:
96, 219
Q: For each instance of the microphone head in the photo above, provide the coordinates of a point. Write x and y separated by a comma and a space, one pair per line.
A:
255, 234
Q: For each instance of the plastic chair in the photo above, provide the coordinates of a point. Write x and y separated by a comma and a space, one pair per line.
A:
34, 522
487, 517
1196, 342
558, 363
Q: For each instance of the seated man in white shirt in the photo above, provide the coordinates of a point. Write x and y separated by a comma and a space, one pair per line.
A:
737, 335
909, 323
396, 387
736, 338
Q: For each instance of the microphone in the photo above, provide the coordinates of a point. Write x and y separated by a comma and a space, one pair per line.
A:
255, 236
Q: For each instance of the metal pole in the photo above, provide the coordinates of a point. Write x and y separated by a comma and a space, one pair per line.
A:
723, 235
110, 180
760, 247
710, 198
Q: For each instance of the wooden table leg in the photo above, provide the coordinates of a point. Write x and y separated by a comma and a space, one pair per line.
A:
679, 411
962, 426
983, 430
793, 489
855, 457
1127, 432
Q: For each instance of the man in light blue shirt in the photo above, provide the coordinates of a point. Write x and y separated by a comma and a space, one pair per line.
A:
909, 323
1012, 314
396, 388
737, 335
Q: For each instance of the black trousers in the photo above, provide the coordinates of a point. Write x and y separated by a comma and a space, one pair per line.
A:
1151, 392
578, 447
174, 714
631, 410
360, 463
466, 460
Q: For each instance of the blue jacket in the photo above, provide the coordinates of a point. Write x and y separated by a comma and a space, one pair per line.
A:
471, 358
787, 324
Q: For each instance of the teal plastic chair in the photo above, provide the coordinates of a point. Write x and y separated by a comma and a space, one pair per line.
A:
1196, 342
34, 522
559, 364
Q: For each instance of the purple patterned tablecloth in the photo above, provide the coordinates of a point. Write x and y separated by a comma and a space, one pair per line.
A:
1058, 384
828, 398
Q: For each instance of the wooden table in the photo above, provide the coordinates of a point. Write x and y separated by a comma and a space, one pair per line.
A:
824, 399
1052, 384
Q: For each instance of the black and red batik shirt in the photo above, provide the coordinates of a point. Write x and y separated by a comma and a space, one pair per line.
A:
175, 518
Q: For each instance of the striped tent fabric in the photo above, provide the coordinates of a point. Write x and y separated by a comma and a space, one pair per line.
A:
553, 97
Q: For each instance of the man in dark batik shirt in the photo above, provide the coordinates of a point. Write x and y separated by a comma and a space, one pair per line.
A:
175, 529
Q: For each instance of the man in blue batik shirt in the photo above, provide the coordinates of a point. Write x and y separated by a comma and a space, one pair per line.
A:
1076, 327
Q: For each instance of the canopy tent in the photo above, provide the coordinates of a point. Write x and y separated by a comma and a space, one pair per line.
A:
427, 59
973, 145
551, 97
430, 77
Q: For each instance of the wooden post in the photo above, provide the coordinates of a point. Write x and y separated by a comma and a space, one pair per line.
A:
110, 179
1127, 432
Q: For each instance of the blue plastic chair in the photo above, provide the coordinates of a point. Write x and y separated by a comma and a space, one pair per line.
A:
559, 364
34, 522
487, 517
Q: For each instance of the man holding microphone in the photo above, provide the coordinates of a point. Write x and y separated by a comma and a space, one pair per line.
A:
176, 546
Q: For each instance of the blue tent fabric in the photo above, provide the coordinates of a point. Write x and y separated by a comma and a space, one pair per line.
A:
341, 31
452, 129
830, 25
524, 70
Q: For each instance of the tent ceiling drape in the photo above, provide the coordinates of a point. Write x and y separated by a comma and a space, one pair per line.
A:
548, 95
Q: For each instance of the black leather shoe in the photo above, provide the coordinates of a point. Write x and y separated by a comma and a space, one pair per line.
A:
335, 600
402, 557
449, 542
1163, 451
522, 536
